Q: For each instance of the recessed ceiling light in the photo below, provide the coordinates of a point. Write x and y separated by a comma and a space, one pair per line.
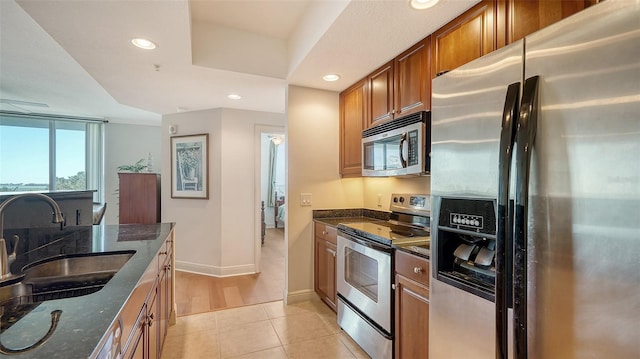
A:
143, 43
234, 96
422, 4
331, 77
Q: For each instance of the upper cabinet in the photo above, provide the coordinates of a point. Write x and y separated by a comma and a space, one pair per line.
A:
413, 79
380, 84
352, 122
467, 37
401, 86
527, 16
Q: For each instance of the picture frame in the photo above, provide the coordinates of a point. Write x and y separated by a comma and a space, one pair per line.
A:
190, 166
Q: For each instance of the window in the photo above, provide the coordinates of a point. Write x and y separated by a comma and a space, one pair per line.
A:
49, 153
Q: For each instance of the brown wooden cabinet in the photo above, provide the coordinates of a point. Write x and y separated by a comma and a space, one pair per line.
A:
155, 298
412, 306
352, 122
326, 238
524, 17
401, 86
413, 79
139, 198
380, 94
467, 37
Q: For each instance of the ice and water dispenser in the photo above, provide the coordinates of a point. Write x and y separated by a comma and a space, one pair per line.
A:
466, 241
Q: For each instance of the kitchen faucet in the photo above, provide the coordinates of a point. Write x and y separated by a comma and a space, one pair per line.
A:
6, 260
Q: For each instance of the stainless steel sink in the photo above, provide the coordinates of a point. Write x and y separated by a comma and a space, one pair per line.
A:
64, 277
109, 262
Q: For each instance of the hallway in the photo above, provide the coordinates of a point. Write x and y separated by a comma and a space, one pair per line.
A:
197, 293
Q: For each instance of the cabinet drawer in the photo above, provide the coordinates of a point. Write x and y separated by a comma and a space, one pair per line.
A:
412, 267
326, 232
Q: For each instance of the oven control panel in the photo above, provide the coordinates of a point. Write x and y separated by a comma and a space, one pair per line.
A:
411, 204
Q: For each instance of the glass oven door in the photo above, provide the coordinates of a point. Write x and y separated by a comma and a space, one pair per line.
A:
364, 277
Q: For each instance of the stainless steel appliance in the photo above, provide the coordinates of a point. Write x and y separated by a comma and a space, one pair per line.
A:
398, 147
365, 271
561, 234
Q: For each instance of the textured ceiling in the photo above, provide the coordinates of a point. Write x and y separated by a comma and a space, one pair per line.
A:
75, 56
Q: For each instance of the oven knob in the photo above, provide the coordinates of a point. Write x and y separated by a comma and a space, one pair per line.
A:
466, 221
476, 223
395, 199
401, 199
455, 219
417, 270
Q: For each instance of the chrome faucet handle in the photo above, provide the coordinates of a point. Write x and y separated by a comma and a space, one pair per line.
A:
4, 259
14, 252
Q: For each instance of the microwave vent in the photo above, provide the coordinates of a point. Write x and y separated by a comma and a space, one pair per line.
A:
422, 116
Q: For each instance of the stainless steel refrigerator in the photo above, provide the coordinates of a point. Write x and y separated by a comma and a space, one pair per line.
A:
535, 186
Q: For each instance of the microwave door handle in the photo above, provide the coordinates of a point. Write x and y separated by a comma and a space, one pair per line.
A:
403, 139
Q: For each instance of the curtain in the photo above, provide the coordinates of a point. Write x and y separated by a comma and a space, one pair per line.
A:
273, 160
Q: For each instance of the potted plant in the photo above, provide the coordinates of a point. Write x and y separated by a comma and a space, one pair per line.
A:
136, 167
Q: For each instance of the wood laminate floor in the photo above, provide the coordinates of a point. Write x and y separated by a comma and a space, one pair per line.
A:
199, 293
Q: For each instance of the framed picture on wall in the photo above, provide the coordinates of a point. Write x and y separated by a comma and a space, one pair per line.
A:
189, 166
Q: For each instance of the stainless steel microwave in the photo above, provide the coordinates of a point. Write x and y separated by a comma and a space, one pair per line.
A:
399, 147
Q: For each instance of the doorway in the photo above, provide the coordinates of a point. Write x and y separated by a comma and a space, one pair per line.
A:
271, 195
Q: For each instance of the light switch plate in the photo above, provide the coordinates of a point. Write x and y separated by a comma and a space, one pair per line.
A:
305, 199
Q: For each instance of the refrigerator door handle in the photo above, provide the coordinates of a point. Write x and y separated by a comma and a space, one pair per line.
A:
504, 232
525, 138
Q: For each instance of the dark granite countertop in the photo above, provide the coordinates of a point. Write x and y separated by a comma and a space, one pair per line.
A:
333, 222
422, 249
84, 319
333, 217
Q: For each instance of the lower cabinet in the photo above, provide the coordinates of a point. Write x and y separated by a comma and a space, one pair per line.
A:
326, 238
412, 306
150, 329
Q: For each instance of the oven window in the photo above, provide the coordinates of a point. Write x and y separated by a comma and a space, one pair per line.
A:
361, 272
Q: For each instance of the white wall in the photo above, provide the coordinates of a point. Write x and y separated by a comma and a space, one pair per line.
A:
312, 167
217, 236
125, 145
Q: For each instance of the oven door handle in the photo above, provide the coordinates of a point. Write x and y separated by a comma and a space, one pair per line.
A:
365, 243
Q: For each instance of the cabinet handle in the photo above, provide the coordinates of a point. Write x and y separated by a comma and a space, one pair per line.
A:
417, 270
393, 112
150, 321
163, 253
332, 252
167, 267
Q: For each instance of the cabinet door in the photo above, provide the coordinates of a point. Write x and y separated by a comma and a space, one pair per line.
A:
325, 271
413, 79
412, 319
352, 120
464, 39
528, 16
153, 328
380, 100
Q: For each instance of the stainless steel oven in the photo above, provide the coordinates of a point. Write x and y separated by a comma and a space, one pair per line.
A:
364, 293
365, 271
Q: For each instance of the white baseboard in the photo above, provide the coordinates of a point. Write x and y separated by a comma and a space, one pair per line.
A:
300, 296
215, 271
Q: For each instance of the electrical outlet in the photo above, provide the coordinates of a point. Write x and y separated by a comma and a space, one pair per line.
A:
305, 199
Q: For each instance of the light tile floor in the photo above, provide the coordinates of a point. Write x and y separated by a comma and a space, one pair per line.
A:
272, 330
